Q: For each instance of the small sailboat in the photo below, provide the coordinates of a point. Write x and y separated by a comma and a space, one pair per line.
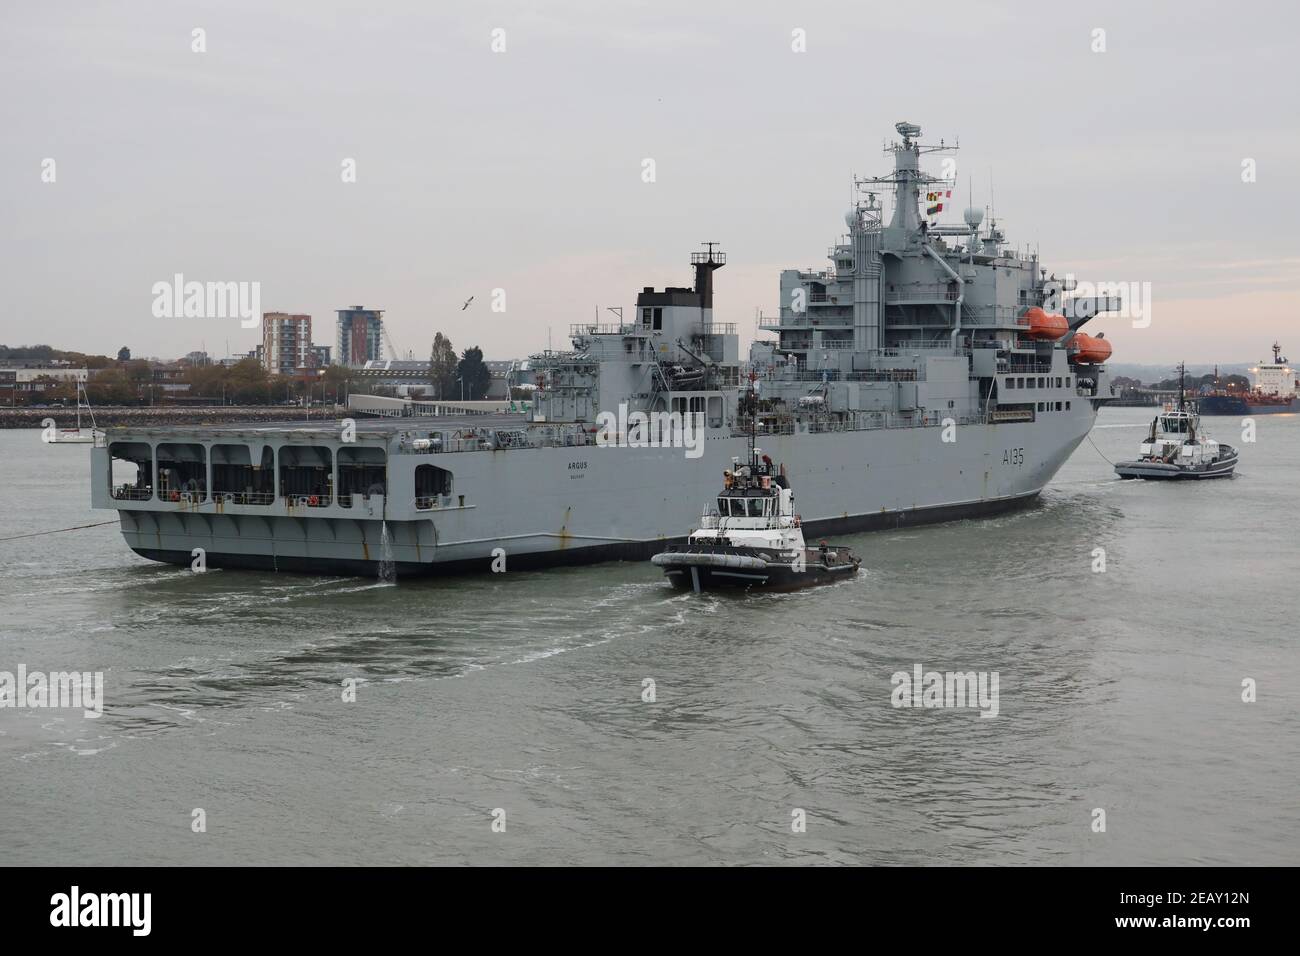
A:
76, 436
1178, 448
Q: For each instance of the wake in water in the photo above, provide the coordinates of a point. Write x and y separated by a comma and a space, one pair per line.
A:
387, 572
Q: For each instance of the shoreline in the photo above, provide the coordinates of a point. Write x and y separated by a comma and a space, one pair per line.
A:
113, 416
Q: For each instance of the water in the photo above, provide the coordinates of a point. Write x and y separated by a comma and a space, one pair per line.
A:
387, 569
523, 692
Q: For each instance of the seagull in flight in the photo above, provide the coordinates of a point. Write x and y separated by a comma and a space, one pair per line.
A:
467, 302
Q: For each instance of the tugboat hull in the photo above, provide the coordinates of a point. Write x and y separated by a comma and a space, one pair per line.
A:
694, 570
1164, 471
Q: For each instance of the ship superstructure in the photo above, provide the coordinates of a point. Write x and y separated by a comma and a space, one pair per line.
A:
927, 374
1276, 377
917, 321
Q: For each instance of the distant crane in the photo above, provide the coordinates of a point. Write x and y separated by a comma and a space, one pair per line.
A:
392, 349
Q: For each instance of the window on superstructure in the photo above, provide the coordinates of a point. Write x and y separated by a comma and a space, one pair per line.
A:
1058, 406
722, 506
1029, 383
1067, 406
756, 507
658, 319
1011, 383
645, 316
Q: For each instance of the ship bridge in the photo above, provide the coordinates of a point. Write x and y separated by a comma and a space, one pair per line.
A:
671, 357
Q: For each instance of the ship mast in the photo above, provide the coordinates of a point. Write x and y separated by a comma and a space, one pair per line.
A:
753, 422
908, 180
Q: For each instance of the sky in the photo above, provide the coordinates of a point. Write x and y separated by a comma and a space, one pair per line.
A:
522, 169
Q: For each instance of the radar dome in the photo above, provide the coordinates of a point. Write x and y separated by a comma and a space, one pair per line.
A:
851, 217
973, 217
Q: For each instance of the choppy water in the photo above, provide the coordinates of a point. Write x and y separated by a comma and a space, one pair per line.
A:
523, 691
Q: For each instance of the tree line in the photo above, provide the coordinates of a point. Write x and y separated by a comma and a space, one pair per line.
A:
127, 381
450, 377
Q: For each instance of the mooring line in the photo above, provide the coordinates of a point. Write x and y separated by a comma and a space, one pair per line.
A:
1098, 451
37, 534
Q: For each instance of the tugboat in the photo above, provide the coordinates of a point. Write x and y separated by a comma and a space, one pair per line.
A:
753, 538
1177, 448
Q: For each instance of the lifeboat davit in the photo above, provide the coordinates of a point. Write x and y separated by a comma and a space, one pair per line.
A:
1089, 350
1045, 325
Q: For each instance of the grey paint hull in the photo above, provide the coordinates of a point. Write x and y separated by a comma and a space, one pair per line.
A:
593, 554
571, 505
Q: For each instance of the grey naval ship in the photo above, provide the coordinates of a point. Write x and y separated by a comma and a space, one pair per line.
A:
924, 375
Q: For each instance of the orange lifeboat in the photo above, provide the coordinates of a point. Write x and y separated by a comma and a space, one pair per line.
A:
1089, 350
1045, 325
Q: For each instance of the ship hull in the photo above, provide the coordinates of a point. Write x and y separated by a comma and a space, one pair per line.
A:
590, 554
1228, 405
545, 507
1281, 408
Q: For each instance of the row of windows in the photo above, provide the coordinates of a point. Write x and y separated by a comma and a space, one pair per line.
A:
1047, 406
696, 404
735, 507
1044, 381
653, 318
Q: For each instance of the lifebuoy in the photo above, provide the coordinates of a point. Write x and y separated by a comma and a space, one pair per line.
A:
176, 496
313, 501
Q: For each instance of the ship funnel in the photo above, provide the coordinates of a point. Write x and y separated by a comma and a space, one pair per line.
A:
704, 264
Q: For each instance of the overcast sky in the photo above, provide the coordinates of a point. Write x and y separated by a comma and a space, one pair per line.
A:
522, 170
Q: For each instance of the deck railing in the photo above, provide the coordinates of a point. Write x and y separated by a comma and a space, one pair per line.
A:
869, 421
307, 501
430, 502
244, 497
597, 328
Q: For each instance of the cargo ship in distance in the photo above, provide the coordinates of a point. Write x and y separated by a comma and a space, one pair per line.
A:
1274, 392
920, 377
